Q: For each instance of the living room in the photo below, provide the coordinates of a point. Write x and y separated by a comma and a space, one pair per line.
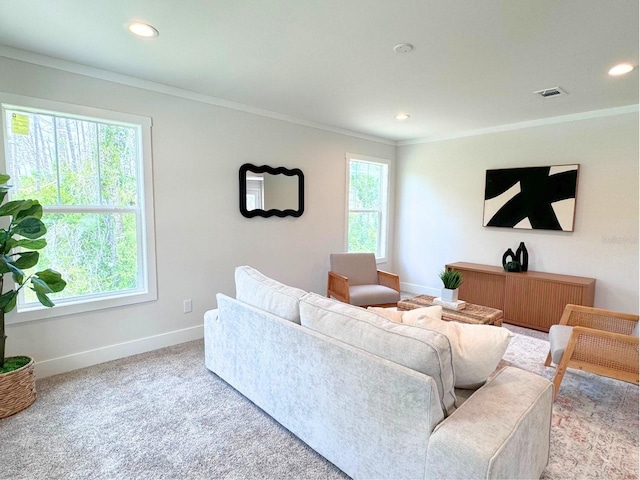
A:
200, 141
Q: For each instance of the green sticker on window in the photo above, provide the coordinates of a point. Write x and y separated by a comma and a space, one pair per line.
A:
19, 124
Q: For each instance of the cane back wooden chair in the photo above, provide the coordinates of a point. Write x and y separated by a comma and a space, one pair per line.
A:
595, 340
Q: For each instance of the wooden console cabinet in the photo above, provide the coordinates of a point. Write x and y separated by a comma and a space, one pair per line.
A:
528, 299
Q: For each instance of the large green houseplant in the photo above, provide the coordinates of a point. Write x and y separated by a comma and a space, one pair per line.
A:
21, 235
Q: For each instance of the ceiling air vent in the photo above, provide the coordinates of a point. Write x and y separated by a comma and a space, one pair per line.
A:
550, 92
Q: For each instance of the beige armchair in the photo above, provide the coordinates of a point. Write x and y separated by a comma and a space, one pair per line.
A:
599, 341
355, 279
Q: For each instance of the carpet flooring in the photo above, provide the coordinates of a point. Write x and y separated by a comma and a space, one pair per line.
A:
163, 415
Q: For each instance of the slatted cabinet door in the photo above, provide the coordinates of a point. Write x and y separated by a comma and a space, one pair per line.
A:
483, 288
537, 303
529, 299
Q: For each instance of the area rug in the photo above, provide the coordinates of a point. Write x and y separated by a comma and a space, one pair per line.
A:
595, 419
162, 415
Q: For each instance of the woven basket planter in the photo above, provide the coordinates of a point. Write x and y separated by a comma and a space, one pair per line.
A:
17, 390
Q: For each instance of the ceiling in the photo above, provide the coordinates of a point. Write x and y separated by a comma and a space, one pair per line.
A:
474, 64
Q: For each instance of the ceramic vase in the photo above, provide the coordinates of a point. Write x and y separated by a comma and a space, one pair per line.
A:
522, 256
449, 295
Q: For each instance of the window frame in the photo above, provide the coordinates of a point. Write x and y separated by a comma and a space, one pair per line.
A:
383, 240
145, 229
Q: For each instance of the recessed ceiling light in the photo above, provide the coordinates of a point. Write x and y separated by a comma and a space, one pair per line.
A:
142, 29
403, 48
621, 69
402, 116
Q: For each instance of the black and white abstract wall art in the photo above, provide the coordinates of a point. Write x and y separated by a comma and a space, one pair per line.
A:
531, 197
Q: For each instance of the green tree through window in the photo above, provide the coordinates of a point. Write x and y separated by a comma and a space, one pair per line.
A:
368, 184
85, 173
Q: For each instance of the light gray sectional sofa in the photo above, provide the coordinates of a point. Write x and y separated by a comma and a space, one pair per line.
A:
374, 397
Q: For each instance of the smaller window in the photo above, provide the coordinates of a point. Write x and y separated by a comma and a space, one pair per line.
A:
368, 185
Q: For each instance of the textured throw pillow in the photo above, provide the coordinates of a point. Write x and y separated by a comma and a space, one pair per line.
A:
389, 314
262, 292
413, 317
476, 349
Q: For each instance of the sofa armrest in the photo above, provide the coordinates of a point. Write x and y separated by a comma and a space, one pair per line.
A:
502, 430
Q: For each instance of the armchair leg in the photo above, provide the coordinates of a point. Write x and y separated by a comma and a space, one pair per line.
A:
564, 362
557, 380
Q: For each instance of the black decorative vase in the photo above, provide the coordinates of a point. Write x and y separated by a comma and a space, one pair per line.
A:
508, 257
522, 256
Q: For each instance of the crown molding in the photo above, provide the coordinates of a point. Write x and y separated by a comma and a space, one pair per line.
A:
77, 68
71, 67
574, 117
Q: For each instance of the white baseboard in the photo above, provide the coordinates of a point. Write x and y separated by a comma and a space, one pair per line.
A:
53, 366
419, 289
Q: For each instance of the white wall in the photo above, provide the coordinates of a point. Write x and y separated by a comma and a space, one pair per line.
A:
440, 205
200, 234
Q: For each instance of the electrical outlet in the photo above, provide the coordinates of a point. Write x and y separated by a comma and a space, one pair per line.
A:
187, 306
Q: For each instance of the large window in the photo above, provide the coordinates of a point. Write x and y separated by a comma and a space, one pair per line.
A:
89, 175
367, 205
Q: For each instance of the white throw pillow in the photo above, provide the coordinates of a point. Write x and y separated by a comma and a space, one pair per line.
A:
413, 317
476, 349
388, 313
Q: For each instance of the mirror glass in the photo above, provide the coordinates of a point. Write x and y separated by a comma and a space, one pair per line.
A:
266, 191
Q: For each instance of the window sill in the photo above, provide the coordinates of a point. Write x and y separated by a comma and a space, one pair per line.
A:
80, 306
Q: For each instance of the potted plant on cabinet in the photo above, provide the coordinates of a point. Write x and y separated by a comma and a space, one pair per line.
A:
20, 238
512, 266
451, 280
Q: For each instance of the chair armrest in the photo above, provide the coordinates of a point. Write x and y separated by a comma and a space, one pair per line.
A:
501, 431
390, 280
606, 353
598, 318
594, 332
338, 287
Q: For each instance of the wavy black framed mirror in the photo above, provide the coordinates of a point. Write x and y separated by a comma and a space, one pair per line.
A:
267, 191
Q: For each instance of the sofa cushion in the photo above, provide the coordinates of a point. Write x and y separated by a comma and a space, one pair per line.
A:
264, 293
477, 349
422, 350
372, 295
559, 336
